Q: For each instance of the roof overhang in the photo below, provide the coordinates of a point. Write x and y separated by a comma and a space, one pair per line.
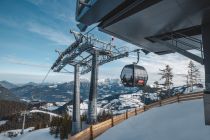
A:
135, 21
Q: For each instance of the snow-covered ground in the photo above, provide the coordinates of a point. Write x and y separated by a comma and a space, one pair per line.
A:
49, 106
45, 112
41, 134
193, 89
3, 122
83, 108
4, 135
126, 102
178, 121
186, 90
60, 103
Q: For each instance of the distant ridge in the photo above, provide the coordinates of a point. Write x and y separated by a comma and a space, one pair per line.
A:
6, 94
8, 85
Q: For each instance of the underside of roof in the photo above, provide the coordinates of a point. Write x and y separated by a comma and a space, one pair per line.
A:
139, 21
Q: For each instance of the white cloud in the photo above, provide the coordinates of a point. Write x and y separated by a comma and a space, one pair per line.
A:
50, 33
62, 10
13, 60
153, 63
21, 78
46, 31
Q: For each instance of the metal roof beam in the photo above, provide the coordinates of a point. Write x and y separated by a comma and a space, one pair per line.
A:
106, 61
179, 50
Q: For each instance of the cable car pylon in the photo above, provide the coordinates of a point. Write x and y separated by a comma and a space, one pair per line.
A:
94, 53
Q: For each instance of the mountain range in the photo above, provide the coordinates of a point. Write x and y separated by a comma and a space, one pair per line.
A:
57, 92
6, 94
7, 84
63, 92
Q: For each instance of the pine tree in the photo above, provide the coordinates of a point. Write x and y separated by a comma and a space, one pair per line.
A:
193, 75
167, 76
65, 127
104, 115
187, 81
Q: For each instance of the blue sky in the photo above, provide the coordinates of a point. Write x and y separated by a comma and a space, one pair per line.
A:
31, 30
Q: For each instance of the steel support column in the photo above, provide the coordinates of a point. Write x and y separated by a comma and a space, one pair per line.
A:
92, 105
206, 49
76, 102
24, 119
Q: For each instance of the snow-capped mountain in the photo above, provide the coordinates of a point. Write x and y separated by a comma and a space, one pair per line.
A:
50, 92
117, 104
58, 92
112, 94
6, 94
8, 85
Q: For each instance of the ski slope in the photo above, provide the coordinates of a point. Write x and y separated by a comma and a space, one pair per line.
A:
178, 121
41, 134
45, 112
3, 122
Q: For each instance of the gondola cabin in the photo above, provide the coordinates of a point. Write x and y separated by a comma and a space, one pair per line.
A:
134, 76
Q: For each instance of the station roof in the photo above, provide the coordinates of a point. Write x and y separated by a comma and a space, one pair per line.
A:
137, 21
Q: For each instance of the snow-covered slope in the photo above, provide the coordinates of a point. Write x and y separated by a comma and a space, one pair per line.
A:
178, 121
83, 108
8, 85
125, 102
5, 135
45, 112
3, 122
41, 134
116, 103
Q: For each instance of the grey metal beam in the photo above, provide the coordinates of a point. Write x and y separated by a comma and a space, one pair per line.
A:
71, 57
179, 50
206, 49
76, 127
106, 61
79, 38
92, 106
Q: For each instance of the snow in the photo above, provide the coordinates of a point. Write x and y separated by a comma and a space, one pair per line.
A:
41, 134
152, 96
60, 103
125, 102
25, 100
4, 135
3, 122
83, 108
53, 86
70, 92
49, 106
178, 121
40, 111
194, 89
